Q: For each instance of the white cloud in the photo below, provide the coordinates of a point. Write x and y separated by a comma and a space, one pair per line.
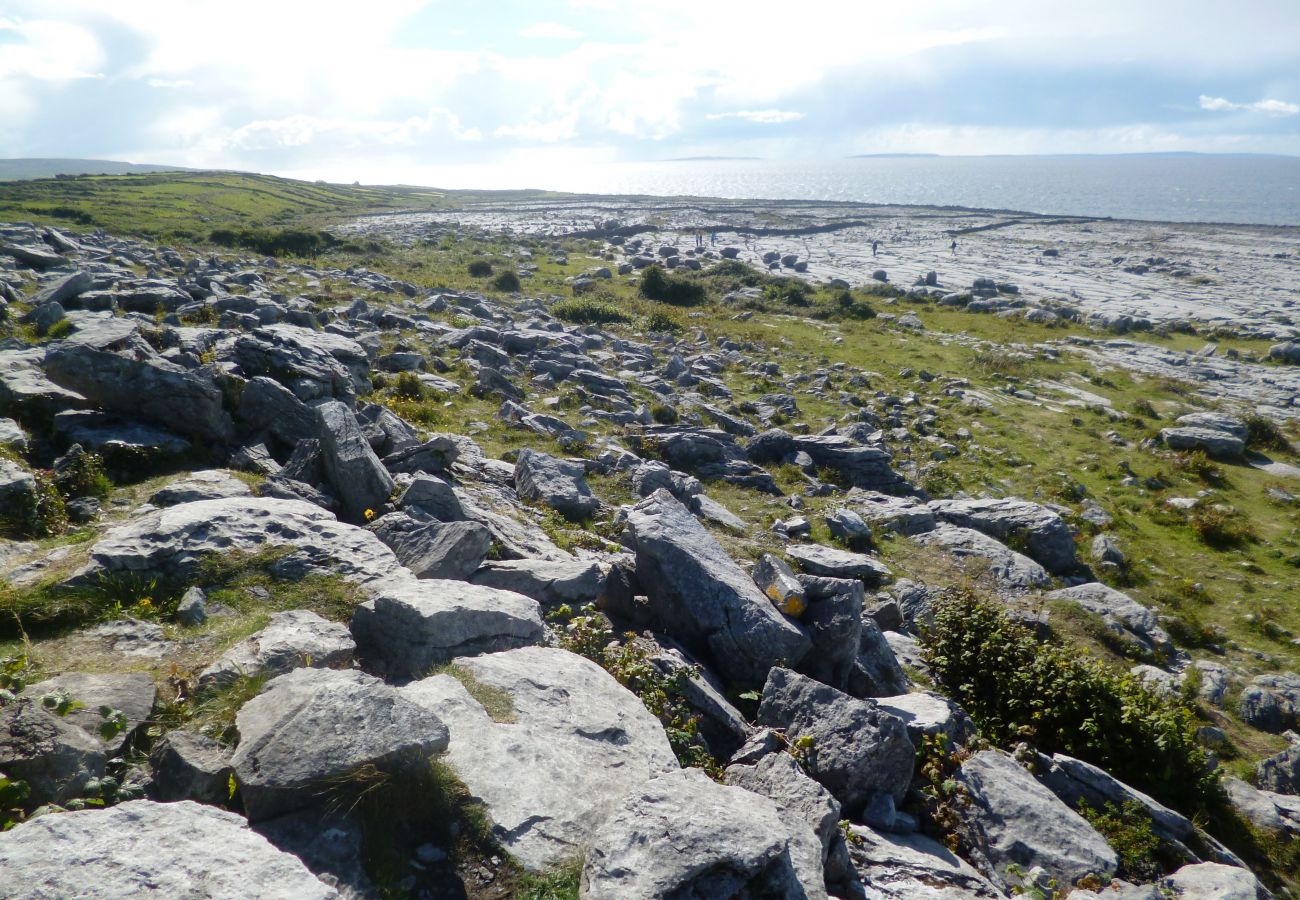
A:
761, 116
1268, 107
169, 83
49, 50
304, 130
552, 31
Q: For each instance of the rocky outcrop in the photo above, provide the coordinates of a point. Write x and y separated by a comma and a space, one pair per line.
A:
171, 542
1041, 532
292, 639
154, 389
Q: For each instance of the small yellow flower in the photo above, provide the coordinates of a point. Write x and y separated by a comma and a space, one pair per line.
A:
145, 603
369, 514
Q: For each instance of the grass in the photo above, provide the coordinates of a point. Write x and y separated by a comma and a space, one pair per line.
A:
495, 702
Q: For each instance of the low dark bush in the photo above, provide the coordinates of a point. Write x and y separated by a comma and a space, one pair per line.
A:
1018, 688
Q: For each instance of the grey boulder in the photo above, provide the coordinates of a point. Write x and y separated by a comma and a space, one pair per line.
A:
557, 483
292, 639
1215, 881
726, 843
857, 749
55, 757
432, 549
1280, 773
208, 484
181, 400
703, 598
189, 766
312, 727
1010, 569
829, 562
132, 695
1012, 820
1045, 536
409, 626
1211, 441
549, 582
171, 542
913, 867
1120, 612
165, 849
1272, 702
352, 469
566, 744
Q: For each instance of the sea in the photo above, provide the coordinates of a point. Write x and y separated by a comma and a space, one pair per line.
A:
1238, 189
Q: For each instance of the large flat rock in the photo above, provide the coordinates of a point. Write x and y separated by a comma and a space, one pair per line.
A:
576, 743
152, 849
170, 542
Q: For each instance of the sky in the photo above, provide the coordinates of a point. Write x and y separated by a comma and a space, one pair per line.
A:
391, 90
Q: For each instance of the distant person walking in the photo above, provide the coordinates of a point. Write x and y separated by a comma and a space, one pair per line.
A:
874, 246
713, 238
954, 248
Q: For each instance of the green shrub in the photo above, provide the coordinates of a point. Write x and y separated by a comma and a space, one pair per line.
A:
588, 312
507, 282
408, 386
1128, 831
658, 285
1198, 465
83, 476
1017, 688
36, 514
1220, 526
1264, 434
1142, 407
662, 321
663, 413
273, 242
480, 268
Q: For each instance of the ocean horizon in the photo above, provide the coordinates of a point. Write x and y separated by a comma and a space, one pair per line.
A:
1240, 189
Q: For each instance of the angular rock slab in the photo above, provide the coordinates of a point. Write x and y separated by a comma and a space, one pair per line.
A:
558, 483
551, 583
578, 742
432, 549
155, 389
857, 750
778, 777
145, 848
170, 542
703, 598
831, 562
292, 639
1010, 569
1046, 537
209, 484
1272, 702
313, 726
1012, 819
131, 694
412, 625
725, 843
358, 478
54, 757
1214, 881
913, 867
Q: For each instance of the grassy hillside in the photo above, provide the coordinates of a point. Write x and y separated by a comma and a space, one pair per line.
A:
188, 205
37, 167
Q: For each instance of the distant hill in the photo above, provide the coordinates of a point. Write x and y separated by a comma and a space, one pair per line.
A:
29, 168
